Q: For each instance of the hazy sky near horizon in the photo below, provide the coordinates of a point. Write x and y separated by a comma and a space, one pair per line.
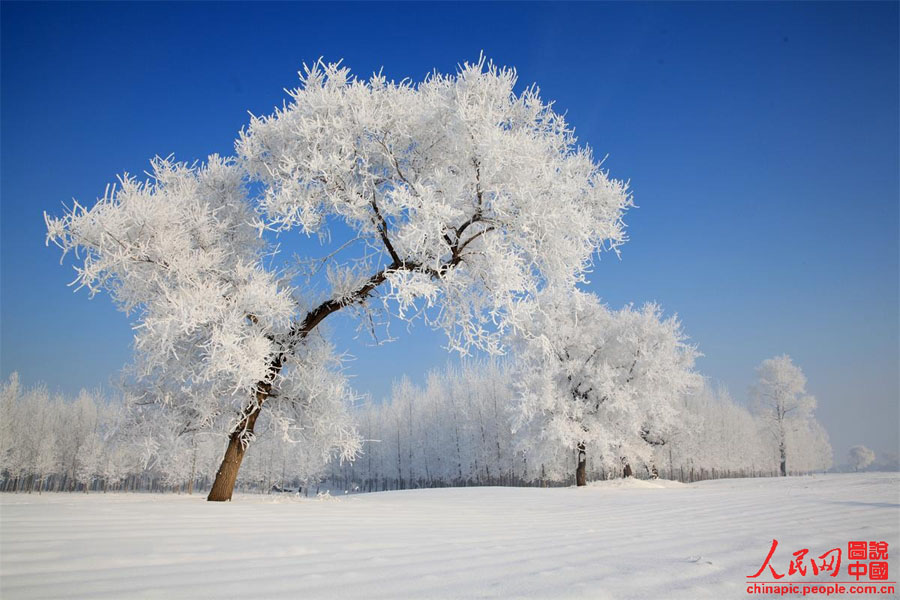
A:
760, 140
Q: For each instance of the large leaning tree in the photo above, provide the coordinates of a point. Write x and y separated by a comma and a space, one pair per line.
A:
450, 200
603, 381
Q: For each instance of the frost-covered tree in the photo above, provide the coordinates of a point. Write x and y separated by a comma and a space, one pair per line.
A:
714, 432
599, 380
49, 442
810, 446
452, 199
181, 253
718, 433
116, 463
42, 440
454, 430
780, 399
466, 429
79, 444
93, 443
861, 457
10, 417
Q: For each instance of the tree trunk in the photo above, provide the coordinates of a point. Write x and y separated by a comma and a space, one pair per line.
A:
226, 476
627, 472
581, 470
783, 460
190, 487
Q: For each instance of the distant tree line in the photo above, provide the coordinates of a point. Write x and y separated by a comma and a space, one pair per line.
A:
462, 427
94, 443
459, 429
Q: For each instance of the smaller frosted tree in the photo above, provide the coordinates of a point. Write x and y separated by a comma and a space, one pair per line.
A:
861, 457
601, 379
781, 401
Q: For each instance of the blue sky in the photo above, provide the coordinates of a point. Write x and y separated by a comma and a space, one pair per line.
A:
761, 142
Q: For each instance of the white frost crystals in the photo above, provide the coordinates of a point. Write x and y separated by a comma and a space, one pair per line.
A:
457, 200
181, 253
465, 193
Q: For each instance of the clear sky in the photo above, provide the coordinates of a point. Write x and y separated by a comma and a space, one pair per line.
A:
761, 142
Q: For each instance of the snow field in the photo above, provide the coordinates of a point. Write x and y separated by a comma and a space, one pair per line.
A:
611, 540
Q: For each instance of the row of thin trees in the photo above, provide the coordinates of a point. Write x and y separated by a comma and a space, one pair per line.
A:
459, 428
95, 443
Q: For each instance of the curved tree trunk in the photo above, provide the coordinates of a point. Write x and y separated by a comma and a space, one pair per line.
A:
581, 470
226, 476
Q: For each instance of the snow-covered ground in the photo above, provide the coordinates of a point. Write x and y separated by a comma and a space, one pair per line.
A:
611, 540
